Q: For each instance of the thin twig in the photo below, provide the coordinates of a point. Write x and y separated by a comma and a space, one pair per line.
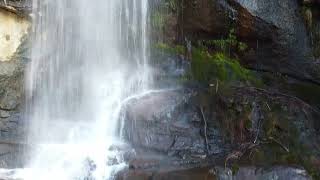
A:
234, 155
205, 129
217, 86
268, 106
278, 142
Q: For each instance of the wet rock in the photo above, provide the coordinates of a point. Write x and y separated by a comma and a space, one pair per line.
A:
277, 172
11, 84
169, 122
169, 69
218, 173
311, 2
143, 164
272, 128
275, 32
134, 175
11, 92
4, 114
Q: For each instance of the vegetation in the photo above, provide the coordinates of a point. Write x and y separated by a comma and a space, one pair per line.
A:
211, 60
313, 27
208, 67
231, 43
176, 50
217, 62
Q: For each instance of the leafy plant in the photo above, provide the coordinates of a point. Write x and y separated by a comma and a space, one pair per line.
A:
232, 42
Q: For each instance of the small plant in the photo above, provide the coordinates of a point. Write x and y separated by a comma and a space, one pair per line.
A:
177, 49
231, 43
172, 5
157, 20
208, 67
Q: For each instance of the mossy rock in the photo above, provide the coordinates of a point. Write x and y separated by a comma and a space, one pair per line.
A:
208, 68
173, 50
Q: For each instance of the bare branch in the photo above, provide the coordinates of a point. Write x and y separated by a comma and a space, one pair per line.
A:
205, 129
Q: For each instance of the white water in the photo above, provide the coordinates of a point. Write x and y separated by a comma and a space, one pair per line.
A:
88, 57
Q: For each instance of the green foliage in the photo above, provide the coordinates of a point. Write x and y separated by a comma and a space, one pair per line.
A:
242, 46
308, 11
171, 4
157, 20
207, 68
159, 14
230, 43
178, 49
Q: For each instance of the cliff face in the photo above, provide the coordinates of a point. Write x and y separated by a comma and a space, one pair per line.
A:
14, 53
276, 32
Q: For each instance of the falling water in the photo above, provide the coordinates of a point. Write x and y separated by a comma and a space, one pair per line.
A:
87, 58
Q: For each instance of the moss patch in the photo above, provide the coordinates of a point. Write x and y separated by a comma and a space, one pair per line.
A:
174, 50
208, 68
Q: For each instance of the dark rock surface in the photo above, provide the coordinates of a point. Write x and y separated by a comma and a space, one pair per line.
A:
219, 173
168, 70
11, 98
11, 123
275, 31
21, 7
277, 172
12, 127
194, 128
168, 122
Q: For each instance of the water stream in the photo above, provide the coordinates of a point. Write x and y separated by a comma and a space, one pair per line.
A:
87, 58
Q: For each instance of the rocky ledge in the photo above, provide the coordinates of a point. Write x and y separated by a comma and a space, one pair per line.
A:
233, 127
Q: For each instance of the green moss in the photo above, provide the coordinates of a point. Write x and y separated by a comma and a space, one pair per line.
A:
310, 14
172, 4
235, 168
225, 45
177, 49
208, 67
158, 20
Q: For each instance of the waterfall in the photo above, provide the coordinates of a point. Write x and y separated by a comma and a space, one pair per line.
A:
87, 57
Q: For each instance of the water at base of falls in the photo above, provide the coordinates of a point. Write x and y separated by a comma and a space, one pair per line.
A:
88, 58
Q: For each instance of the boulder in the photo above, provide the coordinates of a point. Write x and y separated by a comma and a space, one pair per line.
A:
194, 127
168, 122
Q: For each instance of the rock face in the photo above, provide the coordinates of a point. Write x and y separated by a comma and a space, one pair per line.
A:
275, 31
169, 123
13, 29
220, 173
191, 127
277, 172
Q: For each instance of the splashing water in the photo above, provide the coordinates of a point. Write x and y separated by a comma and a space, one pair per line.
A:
88, 57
